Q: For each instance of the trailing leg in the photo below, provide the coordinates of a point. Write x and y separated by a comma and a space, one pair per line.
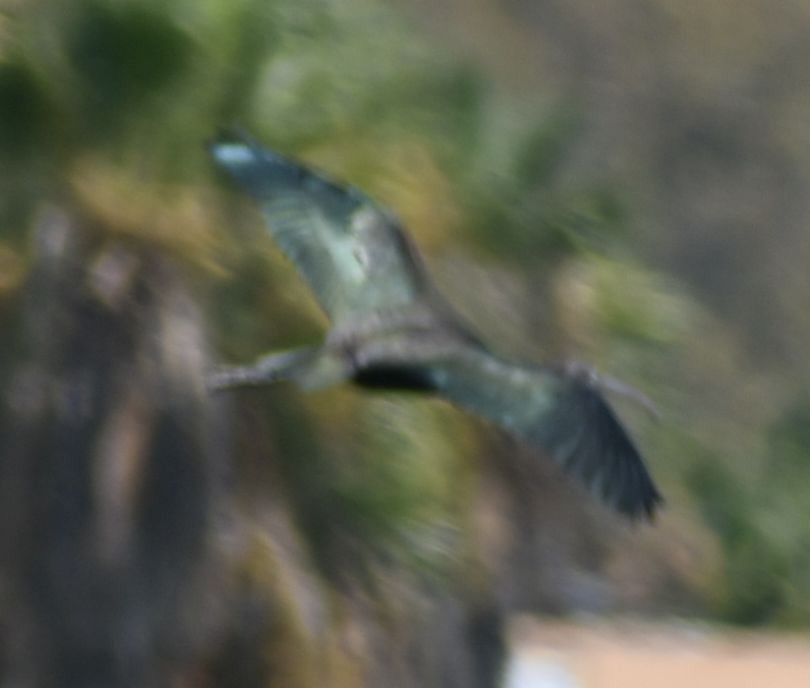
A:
286, 365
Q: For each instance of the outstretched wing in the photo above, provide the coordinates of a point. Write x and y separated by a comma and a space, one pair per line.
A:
561, 414
352, 252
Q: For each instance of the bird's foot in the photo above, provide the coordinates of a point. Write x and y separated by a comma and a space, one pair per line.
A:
606, 383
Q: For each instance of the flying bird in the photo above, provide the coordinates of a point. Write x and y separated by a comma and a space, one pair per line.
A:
392, 330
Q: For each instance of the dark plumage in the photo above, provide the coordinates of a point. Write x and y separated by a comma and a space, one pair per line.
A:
391, 329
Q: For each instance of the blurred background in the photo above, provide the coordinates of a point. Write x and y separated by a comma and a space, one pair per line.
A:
623, 183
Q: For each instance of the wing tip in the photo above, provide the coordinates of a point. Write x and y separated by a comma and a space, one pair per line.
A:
232, 144
256, 170
646, 510
632, 492
229, 154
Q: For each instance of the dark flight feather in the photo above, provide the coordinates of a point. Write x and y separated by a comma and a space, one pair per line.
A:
564, 416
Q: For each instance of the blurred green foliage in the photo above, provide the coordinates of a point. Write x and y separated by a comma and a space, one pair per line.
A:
123, 54
24, 108
110, 103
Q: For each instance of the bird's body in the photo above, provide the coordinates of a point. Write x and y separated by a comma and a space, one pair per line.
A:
392, 330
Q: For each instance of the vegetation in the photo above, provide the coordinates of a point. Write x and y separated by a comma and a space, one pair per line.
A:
643, 209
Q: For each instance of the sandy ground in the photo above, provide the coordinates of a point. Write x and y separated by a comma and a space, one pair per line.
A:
639, 655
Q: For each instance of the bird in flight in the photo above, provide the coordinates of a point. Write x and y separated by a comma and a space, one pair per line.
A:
392, 330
